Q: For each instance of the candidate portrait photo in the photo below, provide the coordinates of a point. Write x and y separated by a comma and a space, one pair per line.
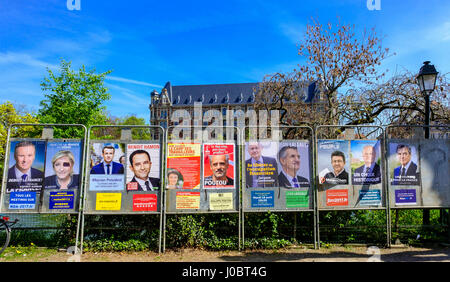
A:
26, 166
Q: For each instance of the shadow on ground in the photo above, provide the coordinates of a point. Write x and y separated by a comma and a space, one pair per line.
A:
360, 255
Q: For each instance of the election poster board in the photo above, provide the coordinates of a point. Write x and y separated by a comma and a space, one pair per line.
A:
124, 177
418, 173
43, 176
201, 177
278, 176
350, 174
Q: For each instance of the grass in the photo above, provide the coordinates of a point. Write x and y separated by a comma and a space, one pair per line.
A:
27, 253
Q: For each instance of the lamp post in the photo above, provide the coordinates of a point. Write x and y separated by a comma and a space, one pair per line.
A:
427, 82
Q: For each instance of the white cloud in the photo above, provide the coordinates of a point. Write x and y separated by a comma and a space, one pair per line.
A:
132, 81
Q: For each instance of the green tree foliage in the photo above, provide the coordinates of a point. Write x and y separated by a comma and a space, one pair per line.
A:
10, 115
73, 97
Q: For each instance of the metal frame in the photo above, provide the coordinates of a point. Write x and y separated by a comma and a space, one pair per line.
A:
87, 154
83, 163
193, 130
383, 174
312, 181
388, 185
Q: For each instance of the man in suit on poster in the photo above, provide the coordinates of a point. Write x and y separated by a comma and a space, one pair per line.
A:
406, 173
290, 166
22, 175
369, 172
254, 174
108, 166
140, 165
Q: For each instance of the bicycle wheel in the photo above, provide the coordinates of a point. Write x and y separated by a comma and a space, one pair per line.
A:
5, 236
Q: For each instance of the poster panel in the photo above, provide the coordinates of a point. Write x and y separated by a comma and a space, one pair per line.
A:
218, 165
143, 169
107, 172
183, 165
418, 172
278, 175
43, 176
26, 166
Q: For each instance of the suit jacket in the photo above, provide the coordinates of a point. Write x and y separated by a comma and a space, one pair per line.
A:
284, 182
266, 160
154, 181
117, 168
35, 174
373, 178
411, 172
337, 180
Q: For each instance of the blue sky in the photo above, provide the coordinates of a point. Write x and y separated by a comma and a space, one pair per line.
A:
147, 43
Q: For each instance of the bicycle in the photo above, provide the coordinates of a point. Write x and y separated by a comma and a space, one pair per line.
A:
5, 231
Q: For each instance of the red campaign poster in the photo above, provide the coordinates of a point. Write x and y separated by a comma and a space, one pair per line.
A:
145, 202
218, 166
183, 161
337, 197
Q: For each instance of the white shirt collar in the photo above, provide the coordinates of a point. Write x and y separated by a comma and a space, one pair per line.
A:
142, 183
19, 173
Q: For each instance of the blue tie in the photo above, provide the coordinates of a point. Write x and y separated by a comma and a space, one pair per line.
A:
24, 177
294, 180
107, 169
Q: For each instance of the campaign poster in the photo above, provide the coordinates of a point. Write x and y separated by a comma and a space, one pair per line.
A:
261, 167
370, 197
62, 165
297, 199
403, 164
185, 158
404, 197
220, 201
26, 166
365, 158
143, 167
107, 170
145, 202
262, 199
61, 200
293, 164
337, 197
22, 200
218, 166
187, 200
108, 201
333, 162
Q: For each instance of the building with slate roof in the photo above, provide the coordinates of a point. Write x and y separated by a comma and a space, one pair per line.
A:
220, 97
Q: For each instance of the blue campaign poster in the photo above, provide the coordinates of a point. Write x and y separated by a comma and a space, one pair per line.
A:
262, 199
22, 200
370, 197
61, 200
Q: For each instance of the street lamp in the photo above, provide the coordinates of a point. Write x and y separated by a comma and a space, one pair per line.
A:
427, 81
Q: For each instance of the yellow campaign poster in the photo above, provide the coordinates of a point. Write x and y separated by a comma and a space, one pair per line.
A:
108, 201
220, 201
188, 200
